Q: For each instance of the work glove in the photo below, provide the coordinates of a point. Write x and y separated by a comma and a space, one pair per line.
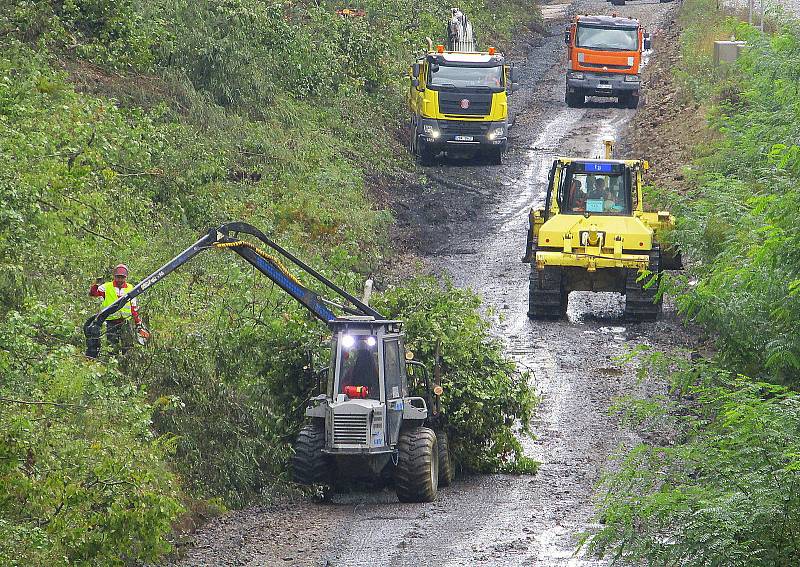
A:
142, 331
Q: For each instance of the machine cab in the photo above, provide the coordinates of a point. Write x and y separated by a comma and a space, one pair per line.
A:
367, 385
367, 362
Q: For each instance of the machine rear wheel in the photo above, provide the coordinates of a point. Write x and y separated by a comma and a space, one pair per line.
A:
640, 303
547, 298
446, 471
416, 476
309, 464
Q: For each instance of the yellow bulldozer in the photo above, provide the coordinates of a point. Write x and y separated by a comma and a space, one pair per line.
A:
594, 234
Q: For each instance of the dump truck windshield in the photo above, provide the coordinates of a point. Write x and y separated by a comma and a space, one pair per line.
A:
615, 39
596, 193
459, 76
358, 367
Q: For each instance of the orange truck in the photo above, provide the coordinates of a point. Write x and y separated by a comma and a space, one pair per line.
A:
605, 54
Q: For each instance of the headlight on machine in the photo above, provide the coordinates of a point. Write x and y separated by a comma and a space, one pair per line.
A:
631, 78
430, 130
498, 132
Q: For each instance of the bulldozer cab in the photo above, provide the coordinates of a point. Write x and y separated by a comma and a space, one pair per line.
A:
594, 187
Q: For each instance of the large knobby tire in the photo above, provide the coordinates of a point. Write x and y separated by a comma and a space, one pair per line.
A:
446, 470
547, 296
416, 476
309, 464
640, 303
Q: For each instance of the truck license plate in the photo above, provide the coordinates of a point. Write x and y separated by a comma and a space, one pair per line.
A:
604, 86
463, 138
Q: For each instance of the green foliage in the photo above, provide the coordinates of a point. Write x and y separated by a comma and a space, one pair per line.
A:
723, 489
720, 487
82, 477
487, 400
115, 34
740, 227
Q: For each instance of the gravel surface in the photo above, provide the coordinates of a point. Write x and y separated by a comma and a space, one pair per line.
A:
470, 222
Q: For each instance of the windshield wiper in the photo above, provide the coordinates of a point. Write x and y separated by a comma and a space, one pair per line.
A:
446, 85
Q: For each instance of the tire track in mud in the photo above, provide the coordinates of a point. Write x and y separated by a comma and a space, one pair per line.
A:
472, 222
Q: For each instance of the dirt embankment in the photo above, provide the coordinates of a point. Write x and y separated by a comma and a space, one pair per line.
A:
669, 126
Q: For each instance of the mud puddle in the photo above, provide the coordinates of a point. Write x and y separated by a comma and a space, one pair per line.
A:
469, 221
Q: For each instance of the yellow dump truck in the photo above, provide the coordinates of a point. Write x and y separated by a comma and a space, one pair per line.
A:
459, 104
594, 234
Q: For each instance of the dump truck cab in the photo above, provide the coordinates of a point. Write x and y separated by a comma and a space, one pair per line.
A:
459, 104
604, 59
593, 234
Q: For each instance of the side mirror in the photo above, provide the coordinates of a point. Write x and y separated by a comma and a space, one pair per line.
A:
434, 67
415, 82
567, 35
512, 73
648, 42
415, 70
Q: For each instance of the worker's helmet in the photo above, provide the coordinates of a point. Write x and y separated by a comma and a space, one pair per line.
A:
120, 270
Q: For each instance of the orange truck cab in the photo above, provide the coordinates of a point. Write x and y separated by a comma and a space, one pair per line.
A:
605, 55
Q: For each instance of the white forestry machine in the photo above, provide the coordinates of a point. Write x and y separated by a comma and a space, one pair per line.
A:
367, 422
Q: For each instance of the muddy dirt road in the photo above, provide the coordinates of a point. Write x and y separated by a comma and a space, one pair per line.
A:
470, 222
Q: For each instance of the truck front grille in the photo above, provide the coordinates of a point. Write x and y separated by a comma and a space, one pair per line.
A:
477, 104
604, 66
349, 429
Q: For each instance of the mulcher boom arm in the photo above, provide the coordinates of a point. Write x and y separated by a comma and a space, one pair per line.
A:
226, 237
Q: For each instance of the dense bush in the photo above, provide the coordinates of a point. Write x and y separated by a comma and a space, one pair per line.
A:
721, 489
83, 478
487, 400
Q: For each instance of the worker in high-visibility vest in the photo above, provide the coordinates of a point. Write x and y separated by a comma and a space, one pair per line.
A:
110, 292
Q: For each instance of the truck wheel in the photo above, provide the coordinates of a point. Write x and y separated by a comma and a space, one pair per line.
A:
446, 471
640, 303
495, 157
547, 298
309, 464
629, 101
574, 100
427, 157
416, 477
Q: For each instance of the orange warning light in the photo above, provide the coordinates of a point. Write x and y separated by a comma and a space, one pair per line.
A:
491, 51
440, 48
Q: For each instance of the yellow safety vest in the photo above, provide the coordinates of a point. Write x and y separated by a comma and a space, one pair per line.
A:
111, 297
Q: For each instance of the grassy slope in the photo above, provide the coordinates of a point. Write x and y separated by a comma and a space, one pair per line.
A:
189, 115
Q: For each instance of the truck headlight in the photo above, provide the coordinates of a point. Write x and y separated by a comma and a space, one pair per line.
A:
498, 132
430, 130
577, 76
631, 78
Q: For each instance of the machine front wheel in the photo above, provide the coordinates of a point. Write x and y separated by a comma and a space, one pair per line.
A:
309, 464
416, 476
